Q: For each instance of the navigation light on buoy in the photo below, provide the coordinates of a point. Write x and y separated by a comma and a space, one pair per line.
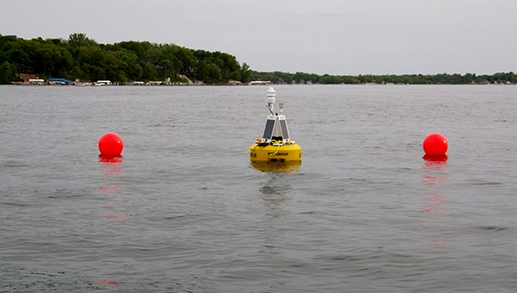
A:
276, 144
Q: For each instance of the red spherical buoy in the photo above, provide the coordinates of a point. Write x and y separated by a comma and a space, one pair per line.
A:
110, 144
435, 144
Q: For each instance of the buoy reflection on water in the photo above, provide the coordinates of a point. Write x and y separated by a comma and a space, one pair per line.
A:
284, 167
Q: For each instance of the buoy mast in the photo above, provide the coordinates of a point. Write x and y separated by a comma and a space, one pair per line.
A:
276, 130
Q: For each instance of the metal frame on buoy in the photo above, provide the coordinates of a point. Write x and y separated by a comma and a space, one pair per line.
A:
276, 130
276, 144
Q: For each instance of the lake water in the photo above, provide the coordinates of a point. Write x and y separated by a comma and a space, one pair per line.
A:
184, 210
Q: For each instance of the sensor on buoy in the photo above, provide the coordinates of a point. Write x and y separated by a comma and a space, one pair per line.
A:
276, 144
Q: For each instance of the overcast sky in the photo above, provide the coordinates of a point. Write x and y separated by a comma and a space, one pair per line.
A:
340, 37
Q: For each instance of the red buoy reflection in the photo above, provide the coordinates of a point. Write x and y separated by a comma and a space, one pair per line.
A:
111, 165
434, 204
113, 210
435, 160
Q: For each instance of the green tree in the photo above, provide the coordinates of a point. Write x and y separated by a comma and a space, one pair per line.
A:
80, 40
5, 73
214, 74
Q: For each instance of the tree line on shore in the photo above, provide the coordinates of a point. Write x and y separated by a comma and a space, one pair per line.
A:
444, 78
82, 58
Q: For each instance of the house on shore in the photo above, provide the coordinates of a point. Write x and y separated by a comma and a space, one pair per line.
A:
29, 79
260, 82
36, 81
103, 82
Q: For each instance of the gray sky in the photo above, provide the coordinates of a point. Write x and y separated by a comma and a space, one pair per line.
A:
340, 37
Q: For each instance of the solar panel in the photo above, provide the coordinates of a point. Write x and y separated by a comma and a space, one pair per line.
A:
285, 132
268, 131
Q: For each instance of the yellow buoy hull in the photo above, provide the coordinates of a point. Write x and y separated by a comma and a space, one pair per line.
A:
275, 153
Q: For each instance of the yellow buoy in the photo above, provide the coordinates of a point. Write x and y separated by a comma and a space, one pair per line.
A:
275, 144
264, 152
